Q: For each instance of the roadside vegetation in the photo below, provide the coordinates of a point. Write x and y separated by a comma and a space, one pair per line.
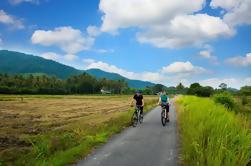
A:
213, 131
59, 130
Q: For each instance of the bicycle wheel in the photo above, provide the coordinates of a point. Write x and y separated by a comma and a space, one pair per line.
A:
134, 119
163, 118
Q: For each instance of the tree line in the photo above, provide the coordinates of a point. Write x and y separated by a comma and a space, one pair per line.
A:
87, 84
77, 84
198, 90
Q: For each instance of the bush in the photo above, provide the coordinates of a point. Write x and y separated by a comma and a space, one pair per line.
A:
245, 90
198, 90
244, 100
226, 99
205, 91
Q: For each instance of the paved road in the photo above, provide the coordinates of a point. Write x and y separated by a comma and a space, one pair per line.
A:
149, 144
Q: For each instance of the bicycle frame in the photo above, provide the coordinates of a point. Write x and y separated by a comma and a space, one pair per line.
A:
137, 115
164, 109
137, 109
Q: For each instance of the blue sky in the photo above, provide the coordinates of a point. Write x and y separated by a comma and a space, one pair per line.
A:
162, 41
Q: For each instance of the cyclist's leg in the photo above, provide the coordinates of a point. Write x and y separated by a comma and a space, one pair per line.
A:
141, 110
167, 110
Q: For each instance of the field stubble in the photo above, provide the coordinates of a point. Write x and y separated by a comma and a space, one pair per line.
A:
55, 129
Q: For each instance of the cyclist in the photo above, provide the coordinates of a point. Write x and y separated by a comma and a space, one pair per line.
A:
138, 97
164, 101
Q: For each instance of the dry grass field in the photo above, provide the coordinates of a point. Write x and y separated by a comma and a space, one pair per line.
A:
41, 127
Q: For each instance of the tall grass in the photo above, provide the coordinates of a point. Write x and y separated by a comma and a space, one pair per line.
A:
210, 135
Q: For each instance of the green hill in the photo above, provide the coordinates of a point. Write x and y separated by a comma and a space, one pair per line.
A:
114, 76
16, 63
102, 74
19, 63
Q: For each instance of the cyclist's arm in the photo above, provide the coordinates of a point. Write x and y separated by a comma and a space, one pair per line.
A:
159, 101
143, 102
132, 102
168, 100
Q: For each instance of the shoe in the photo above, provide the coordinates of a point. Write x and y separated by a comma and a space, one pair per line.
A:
141, 119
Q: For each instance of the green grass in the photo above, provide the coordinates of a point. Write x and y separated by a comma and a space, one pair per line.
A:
211, 135
93, 138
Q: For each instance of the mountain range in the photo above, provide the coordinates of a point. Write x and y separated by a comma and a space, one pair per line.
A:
20, 63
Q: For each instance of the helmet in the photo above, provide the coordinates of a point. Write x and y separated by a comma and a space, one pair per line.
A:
138, 91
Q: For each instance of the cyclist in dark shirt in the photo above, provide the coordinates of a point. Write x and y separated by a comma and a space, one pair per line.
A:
138, 97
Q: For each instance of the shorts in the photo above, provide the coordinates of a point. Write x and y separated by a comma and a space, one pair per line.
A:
141, 109
166, 106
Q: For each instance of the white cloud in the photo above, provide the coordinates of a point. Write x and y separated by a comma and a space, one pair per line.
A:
104, 51
88, 61
225, 4
109, 68
156, 77
240, 60
10, 20
183, 68
131, 13
51, 56
67, 39
162, 23
231, 82
16, 2
146, 76
57, 57
205, 54
247, 81
238, 11
239, 15
208, 54
185, 31
167, 77
101, 50
70, 57
93, 31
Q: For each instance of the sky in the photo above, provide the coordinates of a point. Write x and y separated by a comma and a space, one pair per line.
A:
162, 41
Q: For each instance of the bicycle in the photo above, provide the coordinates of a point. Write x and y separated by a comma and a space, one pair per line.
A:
164, 118
136, 117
